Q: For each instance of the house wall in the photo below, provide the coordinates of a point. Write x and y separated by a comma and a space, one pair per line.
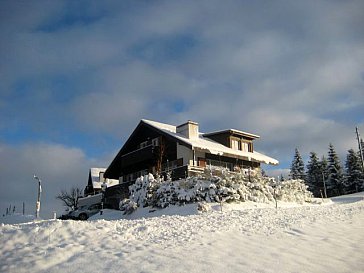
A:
221, 138
185, 153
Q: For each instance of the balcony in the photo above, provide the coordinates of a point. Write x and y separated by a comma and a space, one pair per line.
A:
140, 155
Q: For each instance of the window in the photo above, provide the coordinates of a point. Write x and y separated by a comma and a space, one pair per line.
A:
143, 144
129, 177
155, 141
245, 146
235, 144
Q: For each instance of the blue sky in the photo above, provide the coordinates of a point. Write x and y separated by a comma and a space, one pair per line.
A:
77, 76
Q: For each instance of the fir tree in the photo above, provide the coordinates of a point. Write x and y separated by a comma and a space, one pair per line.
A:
325, 175
335, 180
354, 174
314, 174
297, 167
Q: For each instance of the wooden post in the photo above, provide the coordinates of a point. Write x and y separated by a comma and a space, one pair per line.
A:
322, 197
275, 197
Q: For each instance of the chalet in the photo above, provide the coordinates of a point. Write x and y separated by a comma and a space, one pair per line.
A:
96, 179
182, 150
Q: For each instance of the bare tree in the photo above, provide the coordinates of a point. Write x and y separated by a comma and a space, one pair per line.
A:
160, 156
70, 199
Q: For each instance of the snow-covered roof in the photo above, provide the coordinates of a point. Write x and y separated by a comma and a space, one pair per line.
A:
234, 131
208, 145
95, 173
95, 178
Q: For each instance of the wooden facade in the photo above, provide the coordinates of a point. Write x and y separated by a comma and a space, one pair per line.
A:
227, 137
141, 153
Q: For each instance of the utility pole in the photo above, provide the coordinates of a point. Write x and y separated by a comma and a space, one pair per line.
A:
37, 207
323, 179
360, 147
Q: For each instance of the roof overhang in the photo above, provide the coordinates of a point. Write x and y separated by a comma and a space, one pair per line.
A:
232, 132
255, 156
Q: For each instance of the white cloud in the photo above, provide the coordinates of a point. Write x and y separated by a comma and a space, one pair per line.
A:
59, 168
291, 72
278, 173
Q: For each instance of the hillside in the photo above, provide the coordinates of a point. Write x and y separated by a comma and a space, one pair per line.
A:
242, 238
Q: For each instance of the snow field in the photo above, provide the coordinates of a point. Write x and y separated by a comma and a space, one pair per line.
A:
320, 238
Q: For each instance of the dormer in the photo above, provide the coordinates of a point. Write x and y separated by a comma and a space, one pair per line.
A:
234, 139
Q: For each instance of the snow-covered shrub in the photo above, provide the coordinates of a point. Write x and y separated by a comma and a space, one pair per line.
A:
247, 185
122, 204
294, 190
131, 207
203, 207
128, 206
142, 190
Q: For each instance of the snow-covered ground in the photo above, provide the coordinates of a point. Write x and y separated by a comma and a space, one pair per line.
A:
325, 237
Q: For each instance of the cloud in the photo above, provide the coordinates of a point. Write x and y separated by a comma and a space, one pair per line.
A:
58, 167
291, 72
277, 173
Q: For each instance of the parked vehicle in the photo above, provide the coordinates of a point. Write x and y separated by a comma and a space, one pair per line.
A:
66, 216
84, 212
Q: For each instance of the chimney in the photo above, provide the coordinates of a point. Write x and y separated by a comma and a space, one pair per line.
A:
101, 177
188, 129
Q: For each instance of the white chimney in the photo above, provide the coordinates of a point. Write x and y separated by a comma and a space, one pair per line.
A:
188, 129
101, 177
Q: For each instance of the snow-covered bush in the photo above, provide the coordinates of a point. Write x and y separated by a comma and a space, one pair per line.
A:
294, 191
216, 185
142, 190
128, 206
203, 207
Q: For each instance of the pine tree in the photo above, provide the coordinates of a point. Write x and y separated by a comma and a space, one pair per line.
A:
297, 167
335, 180
354, 174
314, 174
324, 170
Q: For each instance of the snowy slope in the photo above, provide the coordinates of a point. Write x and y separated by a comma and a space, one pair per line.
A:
320, 238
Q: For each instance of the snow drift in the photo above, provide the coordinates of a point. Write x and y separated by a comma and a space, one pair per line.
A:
304, 238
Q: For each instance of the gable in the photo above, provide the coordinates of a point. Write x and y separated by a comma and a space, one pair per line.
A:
144, 132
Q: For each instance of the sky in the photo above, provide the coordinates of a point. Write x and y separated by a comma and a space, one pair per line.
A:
76, 77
